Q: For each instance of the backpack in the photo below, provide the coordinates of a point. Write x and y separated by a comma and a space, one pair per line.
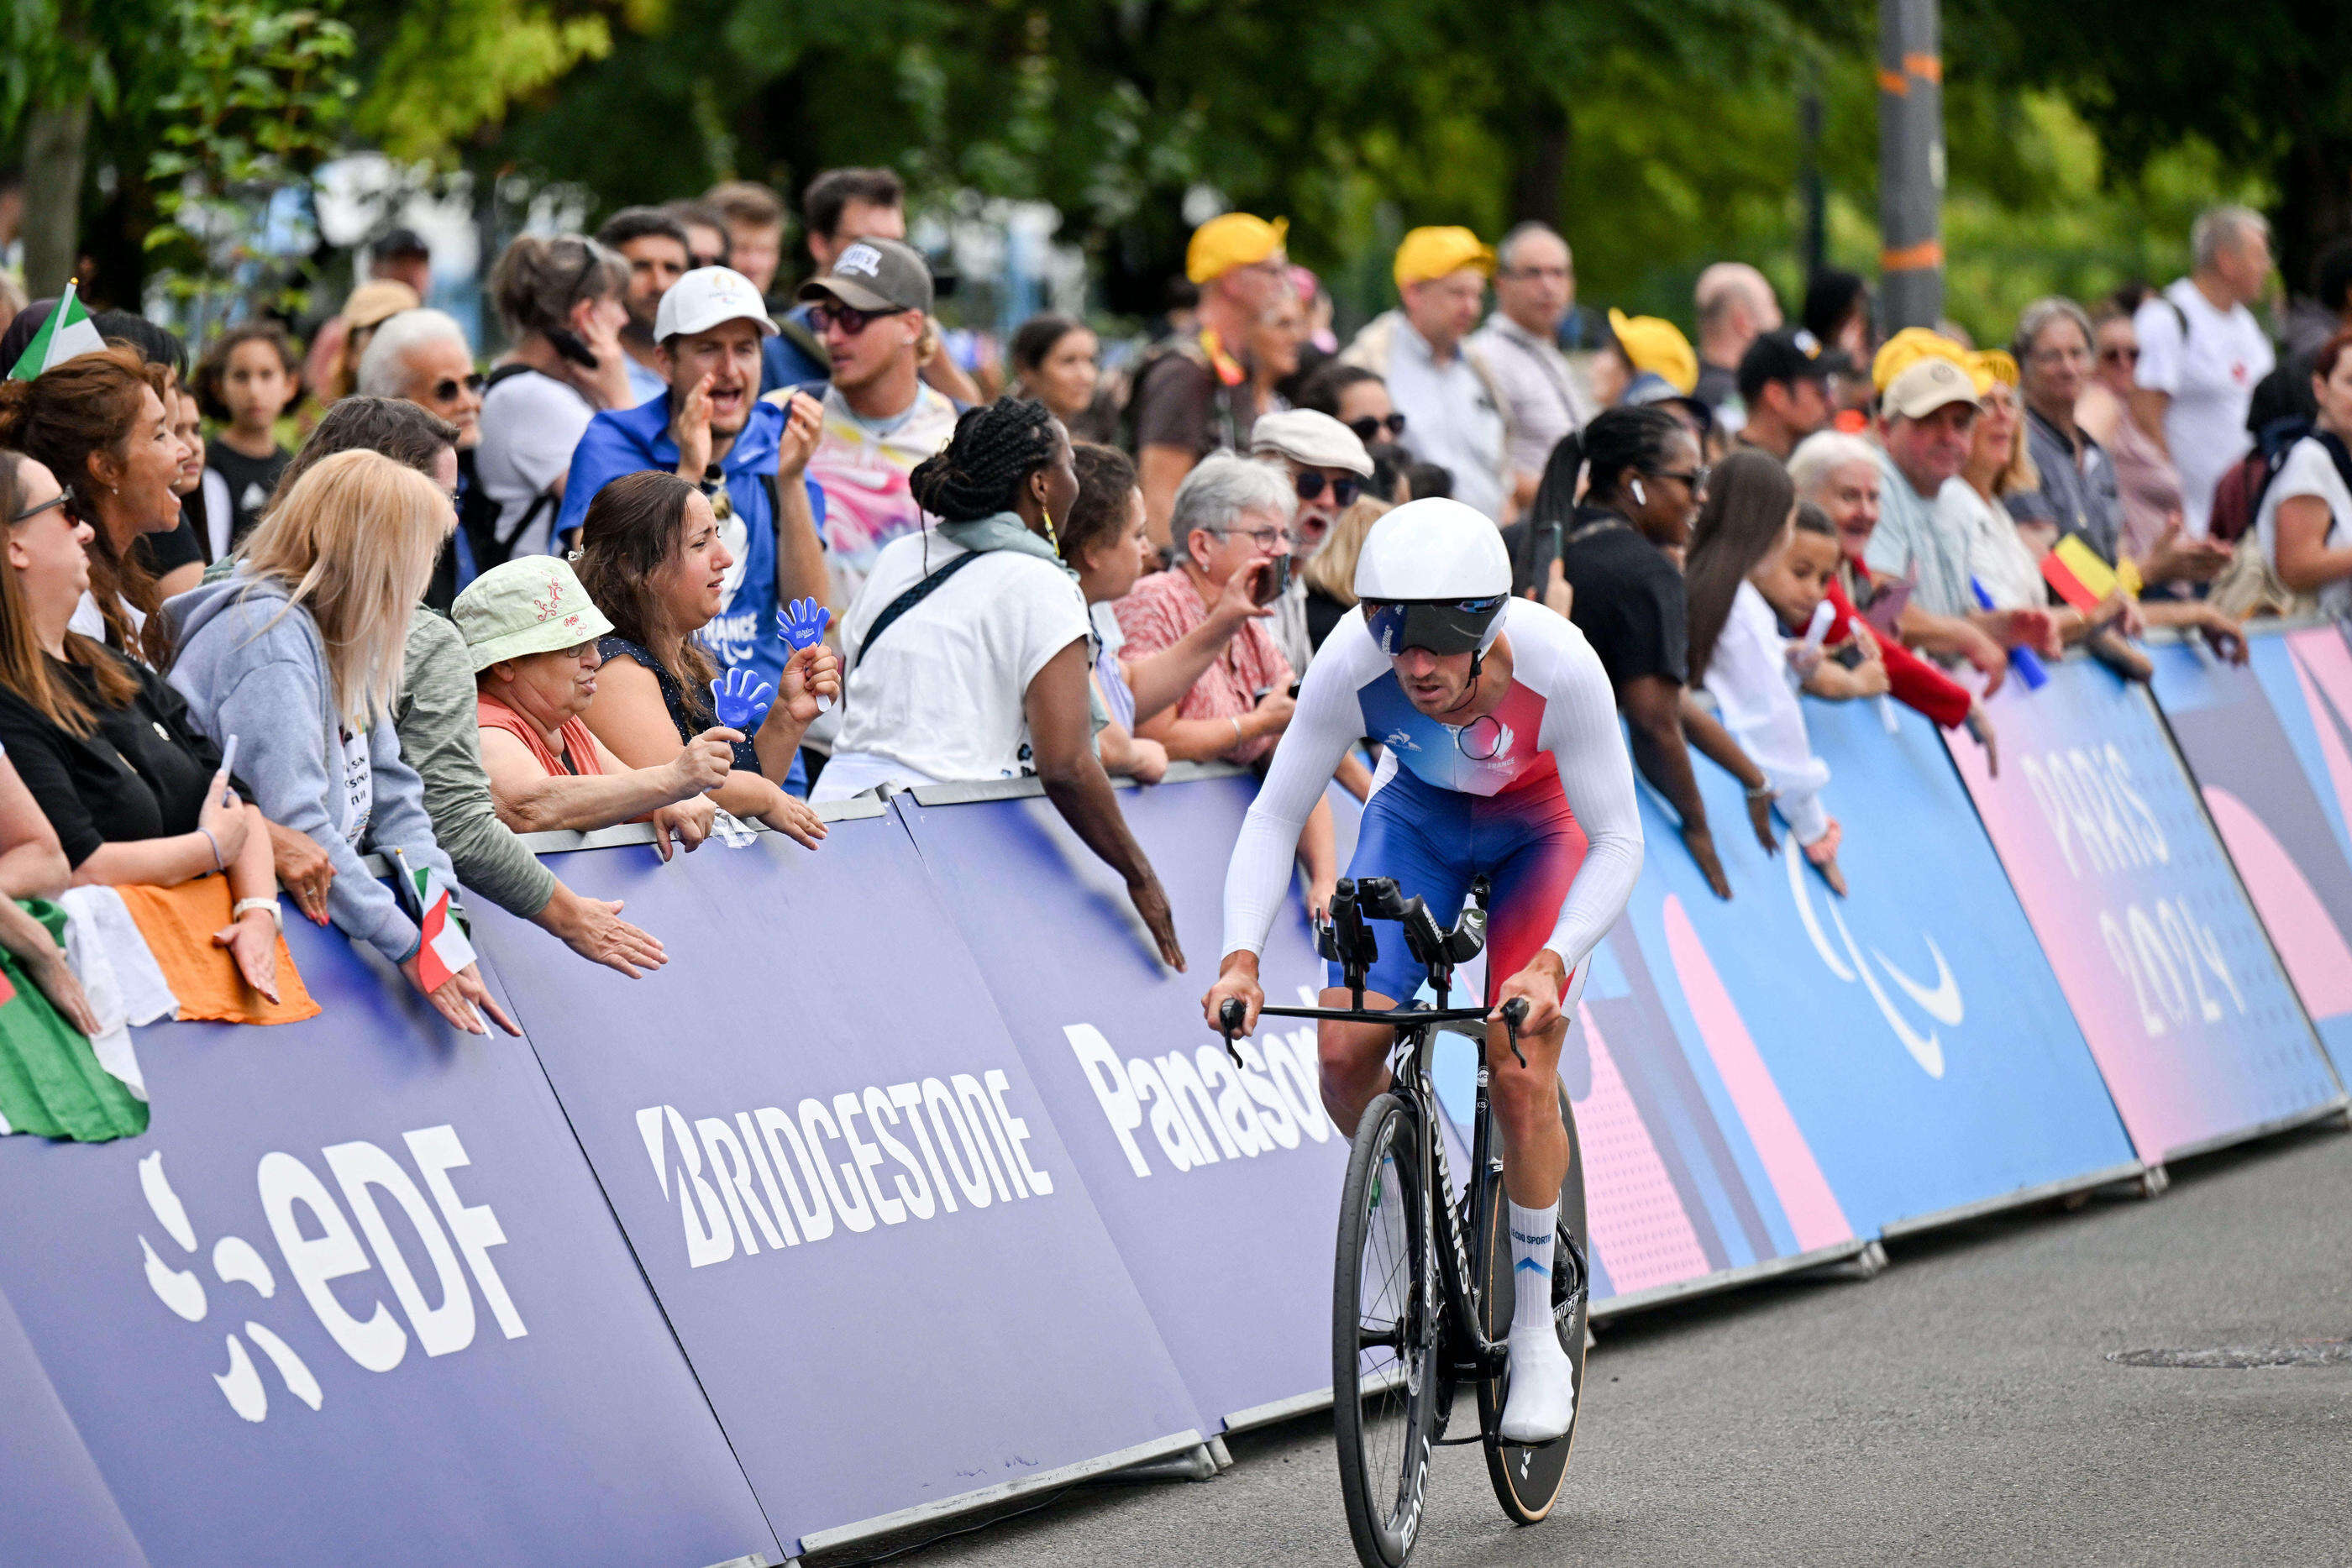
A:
2238, 494
478, 515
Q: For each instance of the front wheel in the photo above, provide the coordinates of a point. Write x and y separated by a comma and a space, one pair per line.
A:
1528, 1481
1383, 1336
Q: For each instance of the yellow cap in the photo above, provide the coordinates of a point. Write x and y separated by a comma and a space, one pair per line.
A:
1991, 367
1907, 348
1231, 240
1438, 252
1656, 345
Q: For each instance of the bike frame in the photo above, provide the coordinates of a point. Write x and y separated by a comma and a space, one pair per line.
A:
1460, 1262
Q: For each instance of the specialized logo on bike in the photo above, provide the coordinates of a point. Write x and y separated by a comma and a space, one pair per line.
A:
319, 1245
1201, 1107
774, 1178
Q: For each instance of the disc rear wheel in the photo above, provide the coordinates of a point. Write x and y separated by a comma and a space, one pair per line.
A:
1383, 1337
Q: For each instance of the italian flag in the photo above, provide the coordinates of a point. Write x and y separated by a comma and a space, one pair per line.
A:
65, 333
445, 950
52, 1083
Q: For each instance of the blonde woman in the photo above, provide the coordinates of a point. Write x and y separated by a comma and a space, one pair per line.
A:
298, 654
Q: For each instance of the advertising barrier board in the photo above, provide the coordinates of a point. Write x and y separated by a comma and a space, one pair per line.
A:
2271, 799
850, 1199
1221, 1185
354, 1298
2169, 974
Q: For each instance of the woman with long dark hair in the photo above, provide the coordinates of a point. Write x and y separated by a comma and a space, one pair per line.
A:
1620, 552
652, 560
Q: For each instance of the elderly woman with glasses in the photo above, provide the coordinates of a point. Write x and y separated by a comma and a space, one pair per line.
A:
532, 633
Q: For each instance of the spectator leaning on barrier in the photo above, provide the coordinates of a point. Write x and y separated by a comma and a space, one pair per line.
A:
1056, 361
1544, 398
1784, 386
1839, 473
434, 715
1736, 305
2147, 483
1453, 407
1642, 493
872, 307
1329, 468
299, 655
1737, 653
655, 560
133, 791
655, 245
532, 635
560, 299
983, 673
1232, 520
2200, 353
745, 455
1796, 580
1190, 393
2305, 523
1103, 539
98, 423
174, 557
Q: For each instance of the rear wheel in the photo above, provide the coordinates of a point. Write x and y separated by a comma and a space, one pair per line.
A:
1528, 1479
1383, 1337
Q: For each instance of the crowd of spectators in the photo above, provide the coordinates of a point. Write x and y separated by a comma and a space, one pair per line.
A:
708, 543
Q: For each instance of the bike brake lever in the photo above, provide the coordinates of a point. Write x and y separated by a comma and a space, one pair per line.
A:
1231, 1014
1515, 1013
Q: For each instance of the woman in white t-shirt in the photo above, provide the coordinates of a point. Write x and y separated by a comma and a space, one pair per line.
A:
984, 675
560, 301
2305, 520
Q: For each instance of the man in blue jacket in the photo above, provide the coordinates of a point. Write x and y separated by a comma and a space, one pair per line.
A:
748, 454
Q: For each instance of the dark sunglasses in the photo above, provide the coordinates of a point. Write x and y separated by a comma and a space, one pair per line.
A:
1344, 489
1696, 478
702, 261
848, 317
446, 387
2118, 356
29, 513
1368, 428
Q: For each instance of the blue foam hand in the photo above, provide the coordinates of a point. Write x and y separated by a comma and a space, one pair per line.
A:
741, 699
803, 622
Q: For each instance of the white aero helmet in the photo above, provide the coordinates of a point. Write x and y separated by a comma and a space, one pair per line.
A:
1434, 574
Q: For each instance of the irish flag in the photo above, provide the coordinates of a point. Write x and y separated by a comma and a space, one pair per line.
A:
446, 949
65, 333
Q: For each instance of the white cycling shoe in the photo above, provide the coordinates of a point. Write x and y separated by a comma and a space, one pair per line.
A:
1542, 1402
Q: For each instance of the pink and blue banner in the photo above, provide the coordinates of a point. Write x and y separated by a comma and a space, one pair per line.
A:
2269, 744
2199, 1034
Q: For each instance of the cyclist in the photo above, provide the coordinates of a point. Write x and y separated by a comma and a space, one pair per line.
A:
1500, 753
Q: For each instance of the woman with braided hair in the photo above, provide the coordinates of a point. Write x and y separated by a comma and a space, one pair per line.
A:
969, 647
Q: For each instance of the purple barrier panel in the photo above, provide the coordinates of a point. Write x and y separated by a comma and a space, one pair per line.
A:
58, 1507
1220, 1188
851, 1202
2199, 1035
2233, 726
355, 1297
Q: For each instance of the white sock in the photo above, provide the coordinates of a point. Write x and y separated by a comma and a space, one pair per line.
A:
1532, 1243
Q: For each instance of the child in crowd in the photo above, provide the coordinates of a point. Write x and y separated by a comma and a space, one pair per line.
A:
249, 376
1795, 580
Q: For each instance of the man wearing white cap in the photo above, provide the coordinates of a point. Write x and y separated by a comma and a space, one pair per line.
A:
1328, 465
748, 457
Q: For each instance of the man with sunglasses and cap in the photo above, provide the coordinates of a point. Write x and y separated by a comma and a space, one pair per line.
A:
1328, 467
1501, 758
748, 455
871, 307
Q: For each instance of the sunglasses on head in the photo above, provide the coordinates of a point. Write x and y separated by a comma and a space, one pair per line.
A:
1344, 489
848, 317
446, 389
1368, 429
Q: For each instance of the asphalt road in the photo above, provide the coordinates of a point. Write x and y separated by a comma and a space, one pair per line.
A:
1958, 1409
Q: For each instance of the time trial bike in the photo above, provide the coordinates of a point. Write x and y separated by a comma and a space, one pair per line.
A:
1422, 1289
